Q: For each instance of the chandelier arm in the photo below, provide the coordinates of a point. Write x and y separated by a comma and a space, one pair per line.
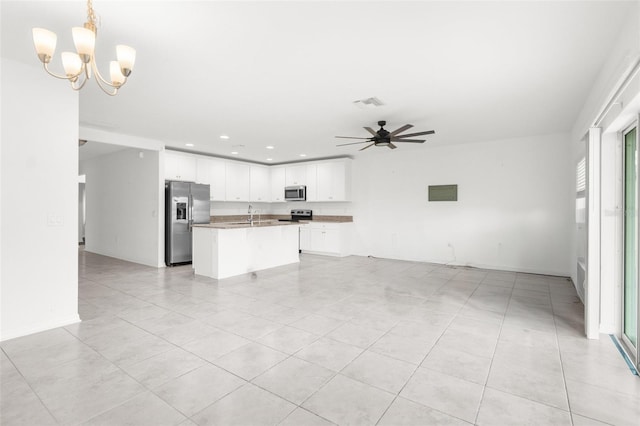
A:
105, 89
61, 77
78, 87
99, 77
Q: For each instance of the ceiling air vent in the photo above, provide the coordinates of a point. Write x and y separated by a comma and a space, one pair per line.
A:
368, 103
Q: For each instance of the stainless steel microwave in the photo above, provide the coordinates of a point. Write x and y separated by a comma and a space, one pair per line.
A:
295, 193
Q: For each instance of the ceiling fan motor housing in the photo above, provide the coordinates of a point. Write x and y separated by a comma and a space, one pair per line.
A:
382, 137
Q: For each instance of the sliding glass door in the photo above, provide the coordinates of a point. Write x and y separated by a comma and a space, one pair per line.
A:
630, 284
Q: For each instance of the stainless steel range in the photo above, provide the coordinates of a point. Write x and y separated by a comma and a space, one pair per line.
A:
299, 214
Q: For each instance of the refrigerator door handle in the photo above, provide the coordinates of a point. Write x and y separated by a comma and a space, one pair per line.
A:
190, 212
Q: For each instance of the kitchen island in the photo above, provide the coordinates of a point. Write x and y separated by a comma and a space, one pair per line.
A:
222, 250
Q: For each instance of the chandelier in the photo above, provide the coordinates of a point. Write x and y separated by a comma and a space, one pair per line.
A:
79, 66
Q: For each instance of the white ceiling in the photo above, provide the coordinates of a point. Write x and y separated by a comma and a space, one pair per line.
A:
286, 73
94, 149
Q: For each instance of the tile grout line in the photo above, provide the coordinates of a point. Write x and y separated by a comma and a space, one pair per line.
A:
486, 381
29, 385
564, 378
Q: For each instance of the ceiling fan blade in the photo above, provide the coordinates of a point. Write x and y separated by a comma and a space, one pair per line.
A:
368, 146
352, 143
401, 129
428, 132
392, 146
370, 130
407, 140
350, 137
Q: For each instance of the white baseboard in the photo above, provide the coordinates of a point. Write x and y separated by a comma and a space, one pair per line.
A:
37, 328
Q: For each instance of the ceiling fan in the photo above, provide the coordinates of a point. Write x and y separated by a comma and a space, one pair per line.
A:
384, 138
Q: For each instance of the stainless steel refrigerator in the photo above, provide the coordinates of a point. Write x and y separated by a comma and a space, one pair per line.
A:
186, 204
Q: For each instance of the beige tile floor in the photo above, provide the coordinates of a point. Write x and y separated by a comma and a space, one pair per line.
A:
351, 341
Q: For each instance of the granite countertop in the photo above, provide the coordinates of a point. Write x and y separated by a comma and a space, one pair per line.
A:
275, 217
244, 224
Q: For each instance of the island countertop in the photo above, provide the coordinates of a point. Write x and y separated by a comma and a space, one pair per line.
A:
270, 217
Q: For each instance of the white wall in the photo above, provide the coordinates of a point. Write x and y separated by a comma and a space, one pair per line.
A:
514, 209
124, 199
39, 190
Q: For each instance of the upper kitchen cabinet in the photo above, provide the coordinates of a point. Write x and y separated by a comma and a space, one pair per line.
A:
213, 172
296, 175
238, 181
334, 180
278, 183
312, 182
178, 166
259, 187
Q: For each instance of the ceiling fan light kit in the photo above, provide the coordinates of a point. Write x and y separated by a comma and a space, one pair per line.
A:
385, 138
78, 66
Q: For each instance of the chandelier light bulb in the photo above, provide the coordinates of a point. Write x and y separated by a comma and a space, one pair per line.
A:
117, 79
85, 41
72, 64
45, 43
126, 58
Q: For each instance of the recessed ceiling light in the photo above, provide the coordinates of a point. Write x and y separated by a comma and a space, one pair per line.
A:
188, 144
224, 137
234, 152
269, 147
269, 159
303, 155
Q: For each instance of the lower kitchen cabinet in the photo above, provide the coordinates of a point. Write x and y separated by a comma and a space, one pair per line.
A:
328, 238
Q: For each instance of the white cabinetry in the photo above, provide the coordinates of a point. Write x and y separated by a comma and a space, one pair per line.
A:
296, 175
333, 181
179, 166
259, 188
237, 181
329, 238
277, 184
213, 172
305, 238
312, 182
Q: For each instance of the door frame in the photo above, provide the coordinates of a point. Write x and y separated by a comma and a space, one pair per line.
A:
628, 346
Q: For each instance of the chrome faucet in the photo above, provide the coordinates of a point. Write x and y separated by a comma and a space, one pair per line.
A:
250, 212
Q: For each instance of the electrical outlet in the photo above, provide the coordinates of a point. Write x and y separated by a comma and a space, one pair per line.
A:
54, 220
